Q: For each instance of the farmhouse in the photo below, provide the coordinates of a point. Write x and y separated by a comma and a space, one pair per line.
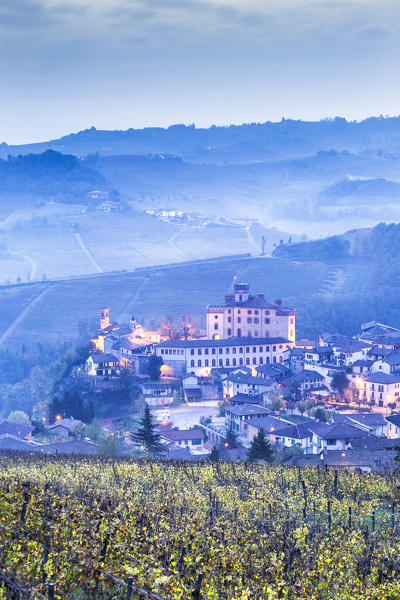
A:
243, 315
99, 364
238, 416
200, 356
380, 389
191, 439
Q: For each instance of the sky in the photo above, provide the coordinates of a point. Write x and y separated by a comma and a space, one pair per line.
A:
66, 65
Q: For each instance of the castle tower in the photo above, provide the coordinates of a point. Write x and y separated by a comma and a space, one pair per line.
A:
105, 318
241, 292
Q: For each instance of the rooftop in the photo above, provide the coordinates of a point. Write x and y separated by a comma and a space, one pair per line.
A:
382, 378
177, 435
100, 357
246, 410
249, 379
233, 341
16, 429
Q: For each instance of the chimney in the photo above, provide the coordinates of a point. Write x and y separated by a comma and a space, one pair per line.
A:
278, 301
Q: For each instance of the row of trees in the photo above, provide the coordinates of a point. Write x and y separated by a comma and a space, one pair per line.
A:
185, 328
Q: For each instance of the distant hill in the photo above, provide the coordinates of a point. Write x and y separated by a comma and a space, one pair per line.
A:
363, 188
231, 144
50, 174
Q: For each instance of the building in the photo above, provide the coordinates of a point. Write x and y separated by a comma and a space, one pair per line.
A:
238, 416
393, 428
246, 384
379, 389
373, 423
200, 356
101, 365
243, 315
189, 439
158, 393
268, 424
16, 430
66, 427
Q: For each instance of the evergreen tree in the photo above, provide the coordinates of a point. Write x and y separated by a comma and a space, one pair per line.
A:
232, 438
146, 436
260, 448
154, 367
214, 455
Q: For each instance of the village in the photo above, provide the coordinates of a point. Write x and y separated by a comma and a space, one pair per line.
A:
331, 401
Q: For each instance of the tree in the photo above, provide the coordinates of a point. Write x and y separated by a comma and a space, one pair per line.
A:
146, 436
231, 439
168, 328
276, 403
321, 414
301, 407
108, 445
340, 382
19, 416
94, 430
260, 448
188, 326
214, 455
154, 367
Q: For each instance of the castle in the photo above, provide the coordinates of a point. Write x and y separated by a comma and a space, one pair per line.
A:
243, 315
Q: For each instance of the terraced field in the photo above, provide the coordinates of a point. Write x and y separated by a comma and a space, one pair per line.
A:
149, 294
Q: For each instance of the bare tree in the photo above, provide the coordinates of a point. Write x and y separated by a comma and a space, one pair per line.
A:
188, 326
168, 329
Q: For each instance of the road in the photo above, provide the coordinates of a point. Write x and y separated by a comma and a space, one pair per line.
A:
185, 417
88, 253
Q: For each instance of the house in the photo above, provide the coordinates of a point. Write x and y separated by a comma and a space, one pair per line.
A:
189, 439
299, 435
17, 430
380, 389
157, 393
239, 399
66, 427
305, 381
268, 424
362, 366
246, 384
238, 416
275, 372
201, 356
347, 351
379, 334
100, 365
393, 428
200, 390
389, 364
319, 354
327, 371
243, 315
378, 461
84, 447
374, 423
16, 444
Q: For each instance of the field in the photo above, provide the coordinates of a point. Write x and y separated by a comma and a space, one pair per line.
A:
113, 529
58, 307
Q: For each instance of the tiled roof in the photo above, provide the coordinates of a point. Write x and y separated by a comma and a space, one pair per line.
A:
367, 419
394, 419
99, 357
250, 380
17, 429
74, 447
382, 378
176, 435
245, 410
268, 423
297, 432
69, 424
233, 341
246, 399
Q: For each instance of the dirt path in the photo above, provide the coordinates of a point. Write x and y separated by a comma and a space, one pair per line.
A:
171, 242
23, 314
127, 311
252, 240
88, 253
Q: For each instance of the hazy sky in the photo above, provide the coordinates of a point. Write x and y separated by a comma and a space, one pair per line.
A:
66, 65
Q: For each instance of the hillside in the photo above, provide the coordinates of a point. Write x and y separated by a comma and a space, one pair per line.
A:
49, 174
201, 531
236, 143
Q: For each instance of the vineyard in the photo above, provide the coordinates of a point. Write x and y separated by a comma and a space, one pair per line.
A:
98, 528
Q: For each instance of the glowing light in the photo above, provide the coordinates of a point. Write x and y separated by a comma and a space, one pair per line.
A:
58, 417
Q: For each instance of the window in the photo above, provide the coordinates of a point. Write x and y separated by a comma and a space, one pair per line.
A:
227, 362
247, 350
220, 362
267, 349
247, 360
220, 351
331, 443
233, 350
192, 351
238, 319
267, 312
234, 361
249, 320
199, 363
215, 325
229, 331
240, 297
240, 361
206, 362
249, 312
192, 363
273, 348
260, 349
239, 332
256, 333
261, 360
267, 321
213, 351
229, 319
256, 320
291, 321
254, 348
254, 360
199, 351
229, 311
256, 312
213, 362
216, 317
226, 350
206, 351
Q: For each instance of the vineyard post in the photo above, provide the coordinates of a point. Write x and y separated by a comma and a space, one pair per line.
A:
45, 556
349, 517
314, 514
373, 521
329, 517
105, 544
393, 516
129, 587
50, 591
196, 593
335, 484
